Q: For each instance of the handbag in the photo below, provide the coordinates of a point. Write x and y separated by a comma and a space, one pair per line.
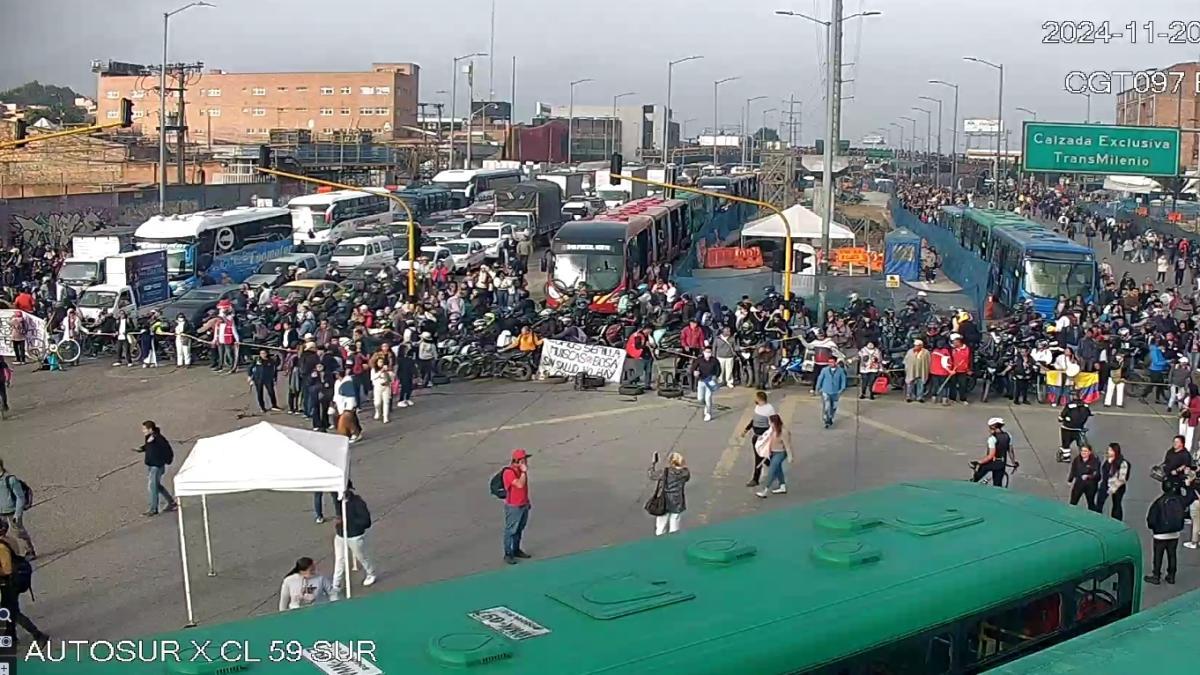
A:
656, 505
762, 447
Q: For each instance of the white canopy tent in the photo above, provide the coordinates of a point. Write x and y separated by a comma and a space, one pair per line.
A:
1132, 184
261, 457
805, 224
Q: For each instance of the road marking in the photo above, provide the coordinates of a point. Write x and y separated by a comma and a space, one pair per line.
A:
734, 445
908, 435
562, 420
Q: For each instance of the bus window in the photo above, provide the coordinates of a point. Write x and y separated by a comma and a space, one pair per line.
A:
926, 654
643, 255
996, 636
661, 238
1104, 597
677, 226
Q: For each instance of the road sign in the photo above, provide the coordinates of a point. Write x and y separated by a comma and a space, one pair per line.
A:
892, 281
1100, 148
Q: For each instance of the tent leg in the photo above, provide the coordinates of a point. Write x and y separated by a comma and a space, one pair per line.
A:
346, 548
207, 537
187, 581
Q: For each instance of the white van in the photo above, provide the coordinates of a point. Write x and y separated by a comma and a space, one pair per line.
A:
360, 251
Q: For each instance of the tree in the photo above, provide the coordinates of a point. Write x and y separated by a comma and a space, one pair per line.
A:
59, 102
765, 134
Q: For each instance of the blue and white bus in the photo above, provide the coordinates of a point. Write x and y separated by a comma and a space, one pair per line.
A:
207, 246
1029, 262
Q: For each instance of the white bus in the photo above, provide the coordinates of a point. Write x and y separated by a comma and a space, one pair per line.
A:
336, 215
467, 184
204, 246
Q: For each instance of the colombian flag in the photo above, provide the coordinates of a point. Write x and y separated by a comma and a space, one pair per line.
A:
1059, 386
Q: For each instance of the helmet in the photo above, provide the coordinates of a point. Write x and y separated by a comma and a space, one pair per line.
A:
996, 422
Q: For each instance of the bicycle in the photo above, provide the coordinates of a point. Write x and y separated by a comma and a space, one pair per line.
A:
985, 478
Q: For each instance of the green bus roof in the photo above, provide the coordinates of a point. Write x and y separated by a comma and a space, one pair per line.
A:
996, 217
1143, 642
785, 590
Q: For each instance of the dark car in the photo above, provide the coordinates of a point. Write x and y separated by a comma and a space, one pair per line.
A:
194, 304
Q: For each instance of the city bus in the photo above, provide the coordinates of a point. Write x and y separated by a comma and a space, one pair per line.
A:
467, 184
330, 216
204, 246
1029, 262
740, 185
921, 577
1148, 640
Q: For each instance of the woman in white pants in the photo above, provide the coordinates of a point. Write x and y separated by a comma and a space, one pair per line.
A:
1190, 417
671, 480
726, 353
381, 382
183, 344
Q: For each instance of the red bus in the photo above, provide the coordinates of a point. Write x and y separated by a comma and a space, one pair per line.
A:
617, 250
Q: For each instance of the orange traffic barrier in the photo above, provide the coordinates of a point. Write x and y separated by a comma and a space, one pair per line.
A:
747, 258
1174, 217
1143, 211
719, 256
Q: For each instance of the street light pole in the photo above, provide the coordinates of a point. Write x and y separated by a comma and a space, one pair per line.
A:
666, 122
928, 133
612, 128
763, 130
954, 141
454, 101
938, 172
912, 142
571, 119
745, 147
999, 125
162, 107
716, 119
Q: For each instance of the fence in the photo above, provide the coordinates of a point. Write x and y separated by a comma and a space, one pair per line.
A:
962, 266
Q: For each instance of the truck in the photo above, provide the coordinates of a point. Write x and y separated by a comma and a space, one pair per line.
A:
627, 191
533, 208
85, 267
134, 282
570, 182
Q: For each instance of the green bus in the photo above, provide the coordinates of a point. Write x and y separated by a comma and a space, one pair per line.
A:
924, 577
976, 225
1156, 639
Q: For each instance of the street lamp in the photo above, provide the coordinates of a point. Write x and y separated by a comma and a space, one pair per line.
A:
1027, 110
454, 98
716, 131
938, 171
162, 107
954, 137
928, 133
900, 148
1088, 118
999, 124
571, 117
746, 126
612, 128
762, 139
666, 122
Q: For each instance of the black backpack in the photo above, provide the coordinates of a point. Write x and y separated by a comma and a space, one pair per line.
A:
496, 486
26, 492
1170, 514
22, 575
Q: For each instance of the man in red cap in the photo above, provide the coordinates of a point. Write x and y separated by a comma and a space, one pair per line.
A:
516, 505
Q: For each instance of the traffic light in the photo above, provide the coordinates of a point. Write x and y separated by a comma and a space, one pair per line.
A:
264, 157
614, 169
801, 260
22, 130
126, 113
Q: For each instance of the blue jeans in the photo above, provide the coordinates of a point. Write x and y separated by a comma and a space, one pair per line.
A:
775, 469
914, 390
318, 503
515, 518
704, 394
829, 407
154, 486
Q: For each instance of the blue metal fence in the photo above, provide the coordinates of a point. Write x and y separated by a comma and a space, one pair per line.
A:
962, 266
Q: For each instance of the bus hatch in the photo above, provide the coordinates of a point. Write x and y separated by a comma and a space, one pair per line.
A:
720, 551
846, 553
619, 595
926, 523
469, 649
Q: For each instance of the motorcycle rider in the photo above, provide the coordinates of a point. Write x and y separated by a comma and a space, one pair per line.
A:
571, 332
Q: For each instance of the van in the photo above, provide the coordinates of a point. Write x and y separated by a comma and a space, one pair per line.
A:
359, 251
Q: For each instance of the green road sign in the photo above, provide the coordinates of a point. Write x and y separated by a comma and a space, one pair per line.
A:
1100, 148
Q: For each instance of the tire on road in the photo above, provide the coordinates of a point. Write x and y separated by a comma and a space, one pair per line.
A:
631, 390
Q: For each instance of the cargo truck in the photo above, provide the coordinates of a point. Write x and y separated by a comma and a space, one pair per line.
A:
135, 282
85, 267
533, 208
627, 191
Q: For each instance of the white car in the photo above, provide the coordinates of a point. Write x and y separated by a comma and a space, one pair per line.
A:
435, 254
467, 253
489, 235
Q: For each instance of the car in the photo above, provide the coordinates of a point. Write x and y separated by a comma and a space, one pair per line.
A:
305, 289
272, 272
489, 236
451, 228
580, 208
467, 254
434, 254
194, 304
323, 251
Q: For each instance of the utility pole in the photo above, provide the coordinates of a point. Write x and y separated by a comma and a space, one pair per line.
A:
833, 123
492, 58
470, 110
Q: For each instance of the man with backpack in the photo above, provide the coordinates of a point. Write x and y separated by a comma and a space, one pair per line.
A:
358, 521
512, 485
16, 577
15, 497
1165, 520
158, 454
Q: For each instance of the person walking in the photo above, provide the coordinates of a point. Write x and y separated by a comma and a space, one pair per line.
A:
1165, 520
381, 384
126, 327
406, 371
158, 455
831, 383
264, 372
13, 503
426, 357
304, 586
760, 423
6, 375
12, 584
776, 447
870, 363
916, 372
1190, 415
515, 479
706, 371
358, 521
1072, 424
1084, 477
293, 371
673, 477
1161, 265
1114, 474
345, 402
320, 396
16, 324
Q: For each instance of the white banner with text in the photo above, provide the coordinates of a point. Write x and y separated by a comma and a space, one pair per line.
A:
561, 358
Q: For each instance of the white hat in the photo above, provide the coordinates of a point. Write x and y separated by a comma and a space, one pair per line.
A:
955, 336
995, 420
921, 294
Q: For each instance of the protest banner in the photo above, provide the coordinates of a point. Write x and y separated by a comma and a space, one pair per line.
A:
34, 329
565, 359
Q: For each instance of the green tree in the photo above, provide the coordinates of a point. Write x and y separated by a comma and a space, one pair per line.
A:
59, 102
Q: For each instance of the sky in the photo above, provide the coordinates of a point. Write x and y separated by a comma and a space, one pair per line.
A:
625, 46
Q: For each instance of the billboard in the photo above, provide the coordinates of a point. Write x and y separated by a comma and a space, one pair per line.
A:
872, 139
980, 126
725, 141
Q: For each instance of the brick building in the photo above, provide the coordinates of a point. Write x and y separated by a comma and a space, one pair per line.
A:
242, 107
1178, 107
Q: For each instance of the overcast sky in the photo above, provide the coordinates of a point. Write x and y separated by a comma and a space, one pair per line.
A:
625, 45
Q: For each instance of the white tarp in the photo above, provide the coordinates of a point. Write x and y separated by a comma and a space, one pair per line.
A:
560, 358
1133, 184
265, 457
804, 225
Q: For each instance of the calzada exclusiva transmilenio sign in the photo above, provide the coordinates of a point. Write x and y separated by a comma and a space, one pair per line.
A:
1100, 148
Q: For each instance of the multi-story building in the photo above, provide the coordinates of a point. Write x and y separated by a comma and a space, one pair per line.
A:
639, 132
1178, 106
243, 107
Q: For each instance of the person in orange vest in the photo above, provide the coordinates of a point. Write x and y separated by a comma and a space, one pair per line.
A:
939, 371
640, 347
960, 366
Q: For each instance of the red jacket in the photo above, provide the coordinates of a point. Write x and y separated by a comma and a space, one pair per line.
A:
1193, 410
937, 359
961, 359
224, 333
24, 302
635, 346
692, 337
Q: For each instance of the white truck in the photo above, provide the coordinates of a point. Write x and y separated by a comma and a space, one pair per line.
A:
85, 267
569, 182
134, 282
627, 191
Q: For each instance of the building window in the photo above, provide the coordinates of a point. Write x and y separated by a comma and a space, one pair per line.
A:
344, 90
214, 92
214, 112
366, 111
137, 93
344, 111
327, 91
281, 89
260, 112
302, 89
382, 111
138, 114
326, 112
367, 91
383, 91
112, 95
301, 109
112, 114
259, 91
282, 110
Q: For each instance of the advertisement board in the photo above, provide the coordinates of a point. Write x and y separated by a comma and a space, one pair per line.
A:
146, 274
980, 126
